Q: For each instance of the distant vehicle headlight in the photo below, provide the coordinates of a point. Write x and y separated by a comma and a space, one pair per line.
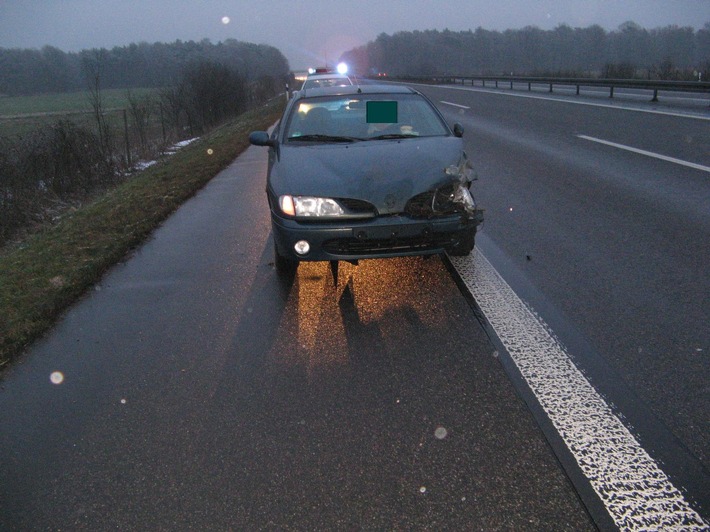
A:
342, 68
310, 206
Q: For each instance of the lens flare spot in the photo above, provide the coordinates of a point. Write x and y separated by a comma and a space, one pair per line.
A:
440, 433
57, 377
210, 151
225, 20
422, 489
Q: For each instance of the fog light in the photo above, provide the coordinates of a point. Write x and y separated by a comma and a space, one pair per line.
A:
302, 247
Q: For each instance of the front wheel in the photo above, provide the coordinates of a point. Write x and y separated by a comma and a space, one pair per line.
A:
285, 267
465, 244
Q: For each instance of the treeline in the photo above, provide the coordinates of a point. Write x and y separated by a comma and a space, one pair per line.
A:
32, 71
671, 52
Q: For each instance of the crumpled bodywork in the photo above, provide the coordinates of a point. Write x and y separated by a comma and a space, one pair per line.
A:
451, 198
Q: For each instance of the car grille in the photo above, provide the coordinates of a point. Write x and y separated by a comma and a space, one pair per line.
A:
356, 246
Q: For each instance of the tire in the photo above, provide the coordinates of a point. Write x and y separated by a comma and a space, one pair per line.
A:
465, 244
285, 267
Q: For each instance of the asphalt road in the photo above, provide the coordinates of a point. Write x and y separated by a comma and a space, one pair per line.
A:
611, 246
193, 390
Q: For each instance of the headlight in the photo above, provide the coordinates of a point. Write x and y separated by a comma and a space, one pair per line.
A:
310, 206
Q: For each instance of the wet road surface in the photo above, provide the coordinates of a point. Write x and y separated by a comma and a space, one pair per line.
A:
193, 389
597, 216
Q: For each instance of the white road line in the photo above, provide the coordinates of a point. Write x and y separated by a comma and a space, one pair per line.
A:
454, 104
635, 491
648, 153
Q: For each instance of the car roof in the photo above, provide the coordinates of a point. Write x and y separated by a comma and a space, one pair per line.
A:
355, 90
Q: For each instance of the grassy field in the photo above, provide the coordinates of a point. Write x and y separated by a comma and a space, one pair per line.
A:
21, 114
66, 102
42, 276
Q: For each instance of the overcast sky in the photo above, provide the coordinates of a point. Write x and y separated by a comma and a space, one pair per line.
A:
309, 32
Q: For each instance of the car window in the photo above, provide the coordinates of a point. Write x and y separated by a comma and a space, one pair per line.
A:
347, 116
326, 82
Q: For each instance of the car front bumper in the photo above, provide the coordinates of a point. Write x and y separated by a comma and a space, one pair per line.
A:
381, 237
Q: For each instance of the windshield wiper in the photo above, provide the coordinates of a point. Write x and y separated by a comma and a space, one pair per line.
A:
324, 138
393, 136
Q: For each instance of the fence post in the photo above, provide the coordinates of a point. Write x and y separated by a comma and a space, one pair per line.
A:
125, 134
162, 124
611, 91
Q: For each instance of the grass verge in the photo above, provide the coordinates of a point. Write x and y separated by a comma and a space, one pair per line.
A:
50, 270
67, 102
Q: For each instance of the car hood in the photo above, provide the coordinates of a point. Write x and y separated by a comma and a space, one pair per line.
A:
385, 173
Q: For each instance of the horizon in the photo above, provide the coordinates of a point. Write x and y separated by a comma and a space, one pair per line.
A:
326, 63
314, 32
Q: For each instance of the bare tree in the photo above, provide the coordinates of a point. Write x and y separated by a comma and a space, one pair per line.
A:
93, 67
140, 109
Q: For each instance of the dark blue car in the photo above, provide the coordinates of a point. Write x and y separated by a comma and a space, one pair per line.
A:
367, 172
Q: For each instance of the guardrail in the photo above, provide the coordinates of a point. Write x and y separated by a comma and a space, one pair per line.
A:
550, 83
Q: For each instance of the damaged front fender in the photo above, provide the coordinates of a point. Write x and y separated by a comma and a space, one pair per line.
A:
452, 198
463, 174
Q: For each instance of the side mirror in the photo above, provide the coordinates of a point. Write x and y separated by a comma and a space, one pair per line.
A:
261, 138
458, 130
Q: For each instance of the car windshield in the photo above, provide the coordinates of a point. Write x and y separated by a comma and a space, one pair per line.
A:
363, 117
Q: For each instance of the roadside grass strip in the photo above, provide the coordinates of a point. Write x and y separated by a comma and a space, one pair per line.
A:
48, 271
636, 493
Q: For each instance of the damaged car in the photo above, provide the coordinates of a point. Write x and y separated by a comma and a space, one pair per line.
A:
367, 172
